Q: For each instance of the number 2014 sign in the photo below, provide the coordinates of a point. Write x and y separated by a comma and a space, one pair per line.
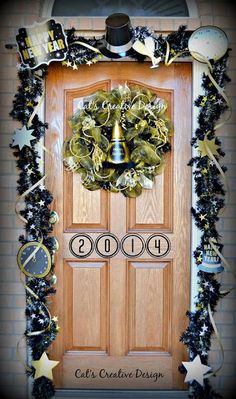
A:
107, 245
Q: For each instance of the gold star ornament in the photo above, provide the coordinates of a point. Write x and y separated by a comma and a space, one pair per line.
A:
207, 147
44, 366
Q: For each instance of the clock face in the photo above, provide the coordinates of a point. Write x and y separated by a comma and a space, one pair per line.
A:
34, 259
208, 42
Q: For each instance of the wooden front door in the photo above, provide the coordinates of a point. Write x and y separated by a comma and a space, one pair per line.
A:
120, 317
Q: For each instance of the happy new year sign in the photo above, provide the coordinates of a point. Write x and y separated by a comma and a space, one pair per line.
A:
42, 43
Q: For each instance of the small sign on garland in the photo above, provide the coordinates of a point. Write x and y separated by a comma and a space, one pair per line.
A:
42, 43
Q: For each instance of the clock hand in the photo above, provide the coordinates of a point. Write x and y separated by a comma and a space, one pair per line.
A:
32, 255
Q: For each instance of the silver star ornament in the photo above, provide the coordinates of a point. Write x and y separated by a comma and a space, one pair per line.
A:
22, 137
195, 370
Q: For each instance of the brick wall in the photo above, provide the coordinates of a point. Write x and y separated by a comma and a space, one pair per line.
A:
19, 13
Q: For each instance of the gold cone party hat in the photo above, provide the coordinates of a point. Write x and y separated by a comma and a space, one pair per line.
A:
118, 151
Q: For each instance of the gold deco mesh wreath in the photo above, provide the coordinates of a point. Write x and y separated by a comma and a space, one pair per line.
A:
119, 140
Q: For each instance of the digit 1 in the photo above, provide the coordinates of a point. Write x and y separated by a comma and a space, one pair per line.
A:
107, 245
158, 245
81, 241
132, 245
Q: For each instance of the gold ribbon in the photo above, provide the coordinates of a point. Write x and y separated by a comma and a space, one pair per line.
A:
71, 144
24, 194
228, 266
20, 358
30, 291
214, 247
33, 115
214, 160
37, 332
36, 109
86, 45
32, 333
169, 61
219, 342
219, 125
219, 89
39, 245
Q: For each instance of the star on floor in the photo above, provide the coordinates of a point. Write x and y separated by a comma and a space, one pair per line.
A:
195, 370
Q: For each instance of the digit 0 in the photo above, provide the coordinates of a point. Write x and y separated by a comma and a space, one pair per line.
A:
107, 245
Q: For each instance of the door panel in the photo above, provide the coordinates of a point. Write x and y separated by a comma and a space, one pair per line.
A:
88, 292
120, 318
149, 292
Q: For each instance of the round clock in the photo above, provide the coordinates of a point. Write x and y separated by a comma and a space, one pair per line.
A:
34, 259
208, 42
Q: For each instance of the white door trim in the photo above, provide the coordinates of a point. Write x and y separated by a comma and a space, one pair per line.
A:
197, 72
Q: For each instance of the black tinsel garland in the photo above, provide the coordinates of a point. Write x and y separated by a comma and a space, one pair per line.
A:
37, 214
208, 187
210, 193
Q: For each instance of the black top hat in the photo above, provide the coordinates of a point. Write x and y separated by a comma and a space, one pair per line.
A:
118, 40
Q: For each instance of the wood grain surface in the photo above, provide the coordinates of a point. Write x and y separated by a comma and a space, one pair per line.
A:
120, 313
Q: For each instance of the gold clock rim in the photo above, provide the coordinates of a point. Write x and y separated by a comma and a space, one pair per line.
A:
29, 244
196, 55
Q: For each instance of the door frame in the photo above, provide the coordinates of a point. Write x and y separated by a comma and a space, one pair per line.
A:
197, 71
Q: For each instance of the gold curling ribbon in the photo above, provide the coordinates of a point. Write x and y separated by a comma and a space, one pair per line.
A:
32, 254
20, 358
86, 45
24, 194
228, 266
222, 93
220, 90
214, 247
108, 117
169, 61
219, 342
102, 177
31, 292
218, 166
35, 109
32, 333
33, 115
